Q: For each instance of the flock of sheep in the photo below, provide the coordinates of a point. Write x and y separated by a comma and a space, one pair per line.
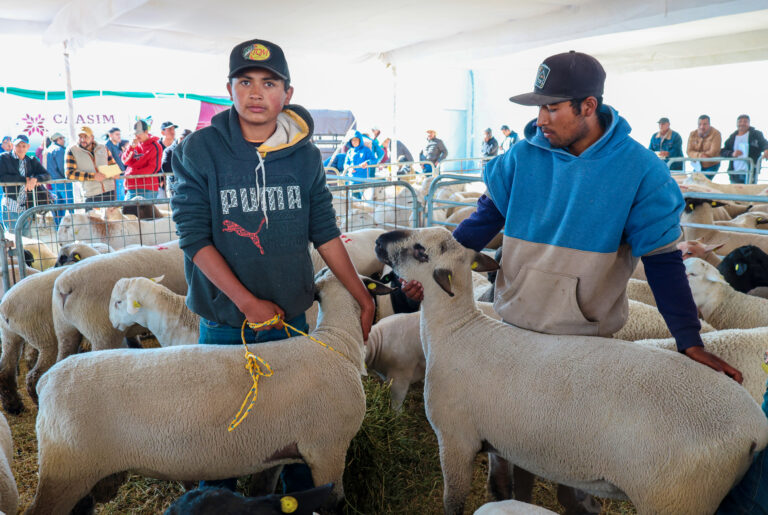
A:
588, 412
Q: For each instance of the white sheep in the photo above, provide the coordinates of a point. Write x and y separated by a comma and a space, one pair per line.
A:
73, 252
695, 248
735, 189
81, 294
172, 422
700, 212
750, 220
42, 255
143, 301
640, 291
25, 315
511, 507
9, 494
721, 305
359, 245
116, 233
644, 322
550, 403
743, 349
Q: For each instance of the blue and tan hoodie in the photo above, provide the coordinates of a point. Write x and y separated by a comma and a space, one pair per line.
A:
575, 227
259, 209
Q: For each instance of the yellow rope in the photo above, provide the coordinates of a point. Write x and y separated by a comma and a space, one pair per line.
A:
254, 369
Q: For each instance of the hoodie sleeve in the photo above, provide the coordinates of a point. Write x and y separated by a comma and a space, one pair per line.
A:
497, 176
191, 206
322, 217
653, 222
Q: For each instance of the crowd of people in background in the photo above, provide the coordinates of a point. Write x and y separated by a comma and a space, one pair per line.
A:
149, 155
116, 169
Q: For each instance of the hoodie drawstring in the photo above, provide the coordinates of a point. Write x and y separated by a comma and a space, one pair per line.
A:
261, 192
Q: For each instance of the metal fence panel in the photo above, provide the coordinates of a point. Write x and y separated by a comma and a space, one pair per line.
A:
366, 203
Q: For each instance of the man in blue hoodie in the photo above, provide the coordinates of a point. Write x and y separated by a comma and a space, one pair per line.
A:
360, 156
580, 202
250, 197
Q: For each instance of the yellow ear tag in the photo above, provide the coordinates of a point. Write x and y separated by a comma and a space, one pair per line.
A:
714, 204
371, 286
450, 279
152, 279
737, 267
76, 256
136, 304
474, 265
690, 206
765, 364
288, 504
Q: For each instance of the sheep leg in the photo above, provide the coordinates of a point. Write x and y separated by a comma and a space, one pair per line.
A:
327, 466
60, 497
500, 478
397, 391
106, 489
264, 482
523, 484
69, 340
45, 360
9, 392
456, 458
577, 502
30, 356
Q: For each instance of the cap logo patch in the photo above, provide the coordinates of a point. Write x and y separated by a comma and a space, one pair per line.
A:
256, 52
541, 76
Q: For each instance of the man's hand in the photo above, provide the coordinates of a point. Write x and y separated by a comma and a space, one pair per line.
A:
99, 176
765, 154
413, 290
366, 316
737, 153
713, 362
259, 310
31, 183
364, 164
663, 153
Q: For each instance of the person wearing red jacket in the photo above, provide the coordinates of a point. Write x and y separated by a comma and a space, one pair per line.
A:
143, 157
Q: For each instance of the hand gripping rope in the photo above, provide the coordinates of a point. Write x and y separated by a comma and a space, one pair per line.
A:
255, 370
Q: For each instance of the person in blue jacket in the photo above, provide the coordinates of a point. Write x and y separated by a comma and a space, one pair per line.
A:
580, 202
360, 157
667, 143
63, 191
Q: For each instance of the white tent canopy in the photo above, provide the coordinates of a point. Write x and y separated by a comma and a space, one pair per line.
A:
400, 31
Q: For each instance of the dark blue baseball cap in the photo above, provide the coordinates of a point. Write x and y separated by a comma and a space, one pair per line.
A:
21, 138
564, 77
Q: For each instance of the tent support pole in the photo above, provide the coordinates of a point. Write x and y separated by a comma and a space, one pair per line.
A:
69, 96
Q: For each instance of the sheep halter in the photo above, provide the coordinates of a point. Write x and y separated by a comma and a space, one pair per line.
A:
254, 369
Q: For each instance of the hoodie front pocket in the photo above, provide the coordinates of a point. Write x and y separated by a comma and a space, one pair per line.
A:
545, 302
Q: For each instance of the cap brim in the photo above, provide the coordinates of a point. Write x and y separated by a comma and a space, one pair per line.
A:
536, 99
249, 66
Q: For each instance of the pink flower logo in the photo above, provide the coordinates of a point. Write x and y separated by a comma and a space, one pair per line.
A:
34, 124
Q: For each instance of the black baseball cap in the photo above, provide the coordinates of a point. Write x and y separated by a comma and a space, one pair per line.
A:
663, 119
165, 125
564, 77
258, 53
113, 129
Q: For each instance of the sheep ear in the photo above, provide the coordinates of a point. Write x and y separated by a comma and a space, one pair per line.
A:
157, 279
712, 248
133, 306
715, 276
483, 263
376, 288
761, 220
443, 278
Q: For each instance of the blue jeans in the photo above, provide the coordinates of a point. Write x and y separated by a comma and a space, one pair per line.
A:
129, 194
64, 195
750, 496
296, 476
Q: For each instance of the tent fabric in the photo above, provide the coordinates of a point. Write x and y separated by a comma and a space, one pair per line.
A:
84, 93
450, 31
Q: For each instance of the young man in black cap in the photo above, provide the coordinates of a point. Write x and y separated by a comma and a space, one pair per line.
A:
580, 202
250, 196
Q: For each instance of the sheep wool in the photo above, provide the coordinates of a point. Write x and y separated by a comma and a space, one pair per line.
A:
9, 494
511, 507
171, 424
549, 403
721, 305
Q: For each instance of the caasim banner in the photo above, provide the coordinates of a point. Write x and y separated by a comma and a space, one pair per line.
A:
37, 118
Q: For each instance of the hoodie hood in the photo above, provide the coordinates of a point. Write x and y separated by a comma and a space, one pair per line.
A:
294, 129
616, 131
358, 135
